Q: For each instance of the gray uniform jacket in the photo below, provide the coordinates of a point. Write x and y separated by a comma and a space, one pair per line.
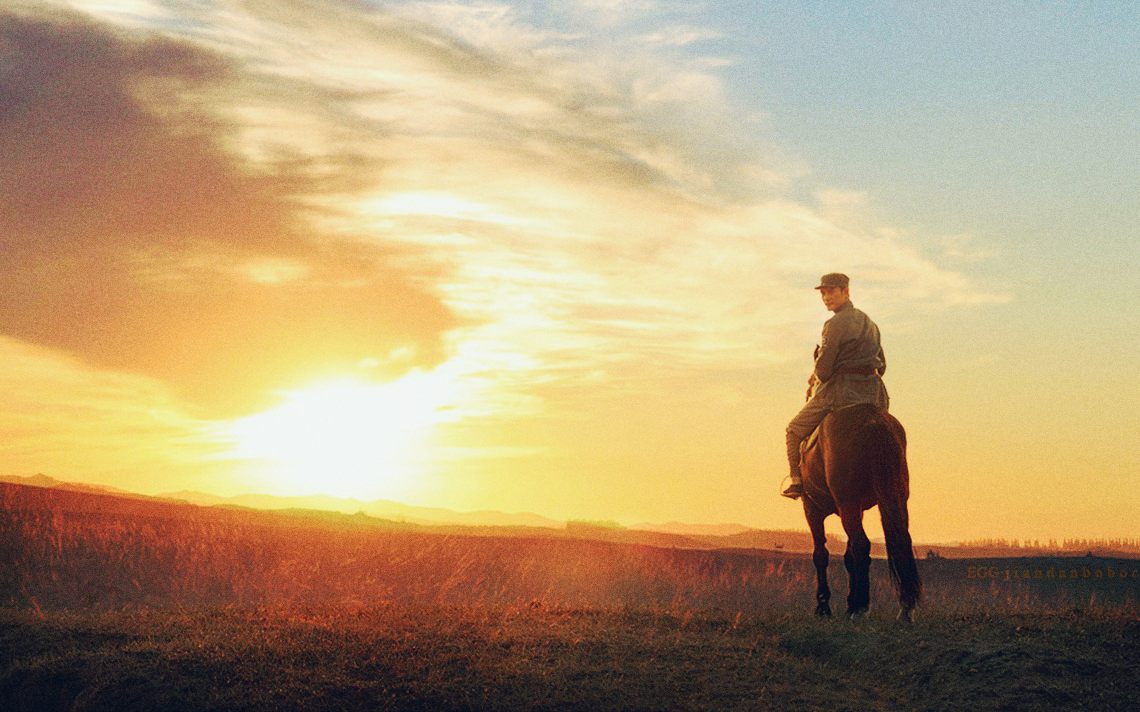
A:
850, 343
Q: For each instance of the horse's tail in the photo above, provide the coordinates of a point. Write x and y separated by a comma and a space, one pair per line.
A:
889, 477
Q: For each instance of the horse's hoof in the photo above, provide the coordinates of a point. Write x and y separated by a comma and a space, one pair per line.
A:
823, 610
906, 615
856, 614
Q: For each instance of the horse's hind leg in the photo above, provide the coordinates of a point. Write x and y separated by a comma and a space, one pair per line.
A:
857, 560
819, 557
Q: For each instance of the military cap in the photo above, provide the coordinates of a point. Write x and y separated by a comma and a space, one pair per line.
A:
834, 279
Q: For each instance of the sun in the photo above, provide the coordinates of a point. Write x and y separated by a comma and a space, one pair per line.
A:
346, 437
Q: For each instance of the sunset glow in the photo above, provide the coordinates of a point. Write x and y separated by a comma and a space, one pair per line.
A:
348, 438
558, 257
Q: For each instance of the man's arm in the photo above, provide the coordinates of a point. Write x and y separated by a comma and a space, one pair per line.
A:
828, 350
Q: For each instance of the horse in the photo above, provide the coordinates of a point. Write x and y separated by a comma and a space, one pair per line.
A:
857, 462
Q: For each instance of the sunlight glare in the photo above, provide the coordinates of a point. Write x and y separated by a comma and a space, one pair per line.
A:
348, 438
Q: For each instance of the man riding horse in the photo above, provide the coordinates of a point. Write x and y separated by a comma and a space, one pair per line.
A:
849, 365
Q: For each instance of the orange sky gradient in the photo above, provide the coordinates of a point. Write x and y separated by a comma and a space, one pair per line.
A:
450, 255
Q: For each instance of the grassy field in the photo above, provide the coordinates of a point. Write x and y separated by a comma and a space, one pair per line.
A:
535, 658
67, 550
109, 603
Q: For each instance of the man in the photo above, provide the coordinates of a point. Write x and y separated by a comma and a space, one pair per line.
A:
849, 363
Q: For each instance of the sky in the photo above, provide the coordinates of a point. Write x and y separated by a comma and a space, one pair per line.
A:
559, 257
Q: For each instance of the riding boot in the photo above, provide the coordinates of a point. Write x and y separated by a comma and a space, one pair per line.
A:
796, 489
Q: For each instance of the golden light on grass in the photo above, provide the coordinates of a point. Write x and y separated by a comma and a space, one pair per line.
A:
347, 437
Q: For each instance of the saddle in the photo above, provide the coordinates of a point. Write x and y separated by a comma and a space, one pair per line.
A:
810, 441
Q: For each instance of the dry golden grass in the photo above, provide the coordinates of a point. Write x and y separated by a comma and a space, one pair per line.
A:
119, 604
66, 550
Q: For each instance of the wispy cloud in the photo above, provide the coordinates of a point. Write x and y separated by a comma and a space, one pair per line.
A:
288, 183
146, 228
680, 36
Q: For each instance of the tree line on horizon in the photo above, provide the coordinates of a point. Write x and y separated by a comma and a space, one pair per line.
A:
1123, 545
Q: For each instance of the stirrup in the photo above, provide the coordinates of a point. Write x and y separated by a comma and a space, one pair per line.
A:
794, 490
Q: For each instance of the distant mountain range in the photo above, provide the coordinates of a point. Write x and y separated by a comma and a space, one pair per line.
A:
384, 513
381, 509
45, 481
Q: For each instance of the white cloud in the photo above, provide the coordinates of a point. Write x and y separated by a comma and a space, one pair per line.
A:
582, 208
680, 36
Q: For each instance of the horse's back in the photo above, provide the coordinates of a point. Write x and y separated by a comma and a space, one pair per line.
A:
847, 423
860, 444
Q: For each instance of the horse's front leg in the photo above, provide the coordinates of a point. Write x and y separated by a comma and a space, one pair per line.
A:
819, 557
857, 560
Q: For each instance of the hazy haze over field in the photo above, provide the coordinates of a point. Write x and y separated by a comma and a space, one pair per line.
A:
558, 257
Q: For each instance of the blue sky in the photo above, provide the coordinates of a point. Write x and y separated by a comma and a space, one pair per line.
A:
1015, 121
